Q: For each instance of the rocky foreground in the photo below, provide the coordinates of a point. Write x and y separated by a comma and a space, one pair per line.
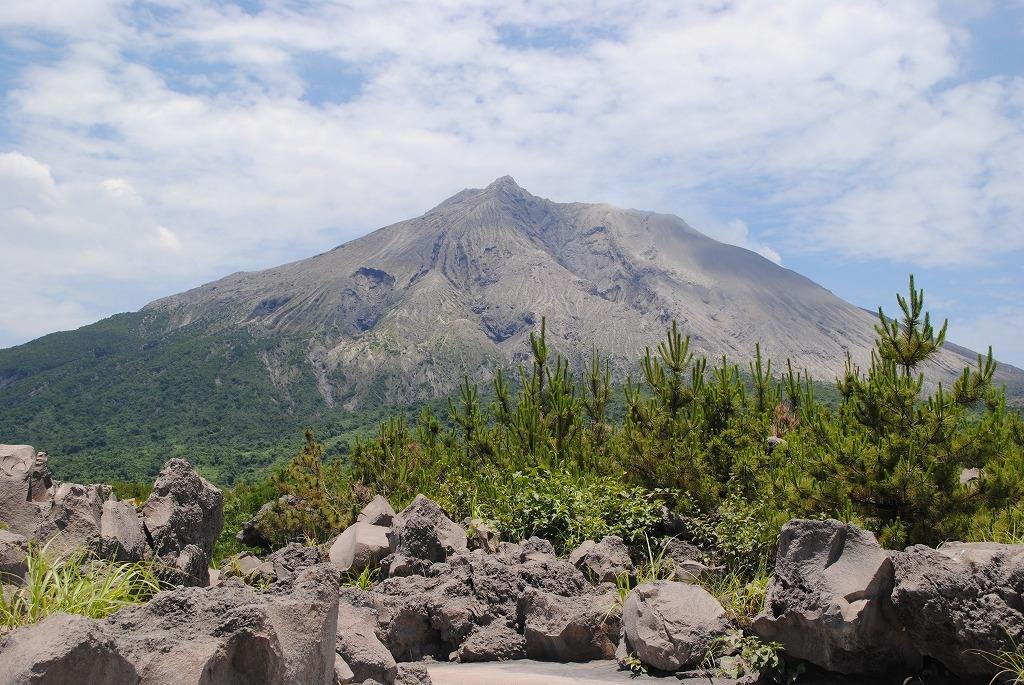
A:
455, 593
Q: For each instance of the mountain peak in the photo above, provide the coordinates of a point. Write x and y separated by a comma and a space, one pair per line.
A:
505, 182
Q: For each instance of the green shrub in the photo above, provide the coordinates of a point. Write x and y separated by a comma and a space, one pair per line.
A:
79, 583
567, 509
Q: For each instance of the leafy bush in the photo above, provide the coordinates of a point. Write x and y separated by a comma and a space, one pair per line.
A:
79, 583
567, 509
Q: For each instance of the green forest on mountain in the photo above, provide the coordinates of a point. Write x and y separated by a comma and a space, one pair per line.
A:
737, 451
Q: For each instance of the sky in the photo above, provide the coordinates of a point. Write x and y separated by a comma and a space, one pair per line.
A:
147, 147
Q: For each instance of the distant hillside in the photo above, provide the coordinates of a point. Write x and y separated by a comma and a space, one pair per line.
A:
228, 373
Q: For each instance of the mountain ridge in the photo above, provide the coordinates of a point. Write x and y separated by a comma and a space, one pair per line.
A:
614, 276
227, 372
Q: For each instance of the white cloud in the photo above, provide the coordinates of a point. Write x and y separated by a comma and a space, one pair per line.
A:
189, 130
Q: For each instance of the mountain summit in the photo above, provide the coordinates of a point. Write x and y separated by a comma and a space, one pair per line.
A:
239, 365
458, 290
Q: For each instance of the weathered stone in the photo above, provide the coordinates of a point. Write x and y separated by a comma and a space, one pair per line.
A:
249, 568
412, 674
423, 532
72, 521
495, 642
560, 628
359, 646
24, 484
552, 575
63, 649
378, 512
359, 546
294, 558
961, 601
342, 672
604, 561
829, 601
13, 555
671, 625
184, 509
122, 536
231, 634
534, 549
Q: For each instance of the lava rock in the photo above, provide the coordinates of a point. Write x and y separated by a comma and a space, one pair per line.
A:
671, 625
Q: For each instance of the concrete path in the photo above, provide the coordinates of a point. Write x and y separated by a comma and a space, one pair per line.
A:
526, 672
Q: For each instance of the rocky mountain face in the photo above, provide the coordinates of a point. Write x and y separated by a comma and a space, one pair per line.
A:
228, 374
421, 302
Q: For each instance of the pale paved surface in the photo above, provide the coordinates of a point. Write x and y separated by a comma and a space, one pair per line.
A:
527, 672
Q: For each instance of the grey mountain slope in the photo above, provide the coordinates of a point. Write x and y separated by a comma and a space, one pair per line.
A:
458, 290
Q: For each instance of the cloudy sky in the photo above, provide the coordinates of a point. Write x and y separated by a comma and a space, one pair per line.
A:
150, 146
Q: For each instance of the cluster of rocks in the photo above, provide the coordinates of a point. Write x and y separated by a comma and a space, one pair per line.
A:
451, 592
841, 602
177, 525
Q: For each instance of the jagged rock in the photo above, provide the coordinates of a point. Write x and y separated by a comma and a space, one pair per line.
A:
534, 549
13, 554
553, 575
423, 532
494, 642
184, 510
231, 634
249, 568
603, 561
671, 625
482, 536
359, 546
359, 646
558, 628
24, 488
293, 558
342, 672
121, 533
63, 649
829, 601
412, 674
961, 601
378, 512
90, 517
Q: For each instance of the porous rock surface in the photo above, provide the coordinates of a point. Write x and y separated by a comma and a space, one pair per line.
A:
63, 649
602, 561
670, 625
178, 525
829, 601
183, 517
961, 601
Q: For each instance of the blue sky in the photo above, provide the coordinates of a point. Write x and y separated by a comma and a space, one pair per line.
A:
147, 147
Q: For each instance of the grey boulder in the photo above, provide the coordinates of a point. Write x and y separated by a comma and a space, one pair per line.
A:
359, 646
558, 628
24, 487
232, 634
671, 625
13, 556
63, 649
829, 601
423, 532
602, 561
184, 510
961, 601
378, 512
359, 546
494, 642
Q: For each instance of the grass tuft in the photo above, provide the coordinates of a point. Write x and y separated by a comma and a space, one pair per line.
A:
79, 583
